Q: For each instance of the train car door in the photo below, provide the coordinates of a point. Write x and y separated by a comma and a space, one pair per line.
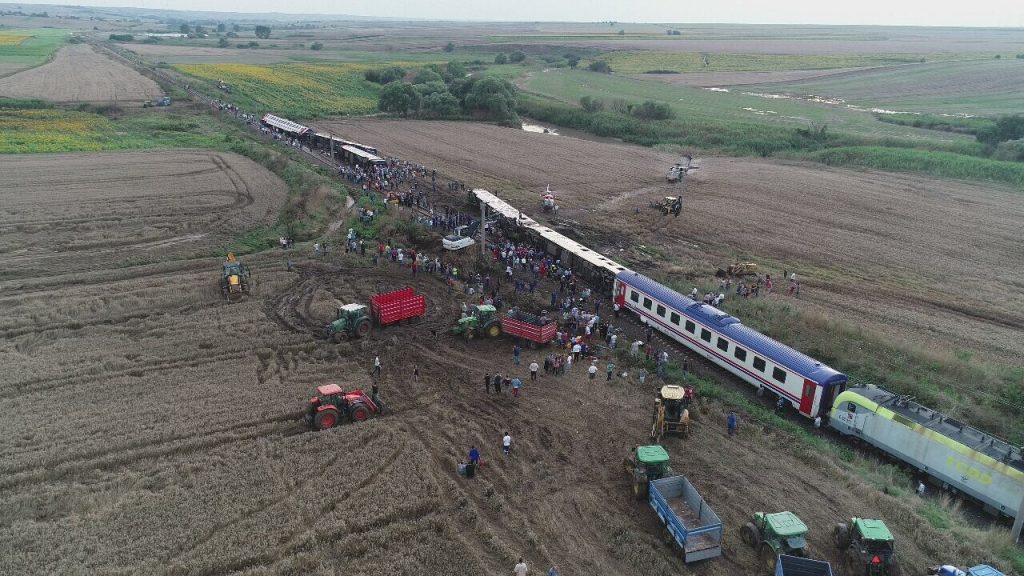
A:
620, 294
807, 397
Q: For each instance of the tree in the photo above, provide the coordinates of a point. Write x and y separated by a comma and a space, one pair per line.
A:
185, 29
622, 32
449, 47
651, 110
454, 70
1006, 128
440, 105
425, 75
399, 98
263, 32
199, 30
600, 66
122, 37
573, 60
236, 28
494, 98
516, 57
223, 43
317, 46
384, 75
591, 104
221, 28
501, 58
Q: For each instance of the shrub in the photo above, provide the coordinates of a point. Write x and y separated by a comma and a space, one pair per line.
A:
591, 104
449, 47
384, 76
651, 110
317, 46
516, 57
600, 66
501, 58
122, 37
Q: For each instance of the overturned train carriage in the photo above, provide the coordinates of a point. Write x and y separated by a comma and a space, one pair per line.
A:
962, 458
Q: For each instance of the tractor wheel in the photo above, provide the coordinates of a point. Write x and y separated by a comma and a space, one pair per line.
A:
494, 330
894, 568
841, 535
339, 336
326, 419
768, 557
751, 535
359, 413
363, 328
853, 561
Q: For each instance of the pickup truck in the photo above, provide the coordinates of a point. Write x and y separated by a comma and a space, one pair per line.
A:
696, 528
796, 566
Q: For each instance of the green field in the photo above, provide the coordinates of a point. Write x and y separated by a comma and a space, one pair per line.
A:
639, 62
982, 87
725, 108
32, 51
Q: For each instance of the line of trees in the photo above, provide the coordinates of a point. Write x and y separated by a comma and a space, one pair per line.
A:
445, 92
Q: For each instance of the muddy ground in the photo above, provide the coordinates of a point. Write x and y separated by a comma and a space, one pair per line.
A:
153, 428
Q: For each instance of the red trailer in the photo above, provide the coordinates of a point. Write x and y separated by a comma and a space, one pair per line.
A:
538, 329
396, 306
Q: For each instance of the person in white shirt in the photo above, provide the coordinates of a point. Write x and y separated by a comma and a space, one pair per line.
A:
520, 569
506, 446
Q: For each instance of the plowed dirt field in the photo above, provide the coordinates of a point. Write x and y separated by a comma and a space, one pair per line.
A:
922, 259
151, 428
79, 74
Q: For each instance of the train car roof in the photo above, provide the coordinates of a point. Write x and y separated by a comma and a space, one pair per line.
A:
558, 239
969, 436
731, 327
285, 124
362, 154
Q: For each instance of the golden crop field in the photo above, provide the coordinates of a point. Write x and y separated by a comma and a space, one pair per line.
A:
26, 131
9, 39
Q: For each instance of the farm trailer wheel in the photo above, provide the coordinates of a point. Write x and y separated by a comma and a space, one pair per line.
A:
326, 419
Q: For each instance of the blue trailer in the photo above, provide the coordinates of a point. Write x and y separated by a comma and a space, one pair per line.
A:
696, 528
796, 566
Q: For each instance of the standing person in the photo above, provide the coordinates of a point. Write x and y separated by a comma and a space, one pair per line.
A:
592, 370
732, 422
553, 571
686, 366
376, 365
533, 370
576, 348
506, 446
416, 374
487, 383
613, 340
643, 375
615, 310
920, 488
516, 385
568, 362
611, 368
797, 290
520, 569
516, 351
497, 383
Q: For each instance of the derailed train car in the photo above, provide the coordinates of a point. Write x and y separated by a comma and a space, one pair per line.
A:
961, 458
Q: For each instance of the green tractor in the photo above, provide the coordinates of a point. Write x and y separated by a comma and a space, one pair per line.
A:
647, 463
870, 547
352, 322
774, 534
479, 320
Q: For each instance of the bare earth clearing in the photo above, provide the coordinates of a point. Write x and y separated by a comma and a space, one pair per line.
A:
151, 428
918, 258
79, 74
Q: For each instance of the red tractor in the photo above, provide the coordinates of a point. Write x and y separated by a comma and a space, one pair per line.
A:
331, 404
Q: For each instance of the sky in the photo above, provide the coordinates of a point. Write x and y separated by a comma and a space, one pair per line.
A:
1001, 13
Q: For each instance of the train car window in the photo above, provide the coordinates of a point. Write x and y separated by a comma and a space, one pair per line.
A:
634, 295
779, 374
740, 354
705, 335
674, 318
648, 303
691, 327
759, 363
723, 344
661, 310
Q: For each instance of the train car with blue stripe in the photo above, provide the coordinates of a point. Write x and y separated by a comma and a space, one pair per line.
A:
807, 384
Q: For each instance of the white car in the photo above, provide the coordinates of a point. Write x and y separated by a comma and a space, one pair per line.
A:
455, 242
